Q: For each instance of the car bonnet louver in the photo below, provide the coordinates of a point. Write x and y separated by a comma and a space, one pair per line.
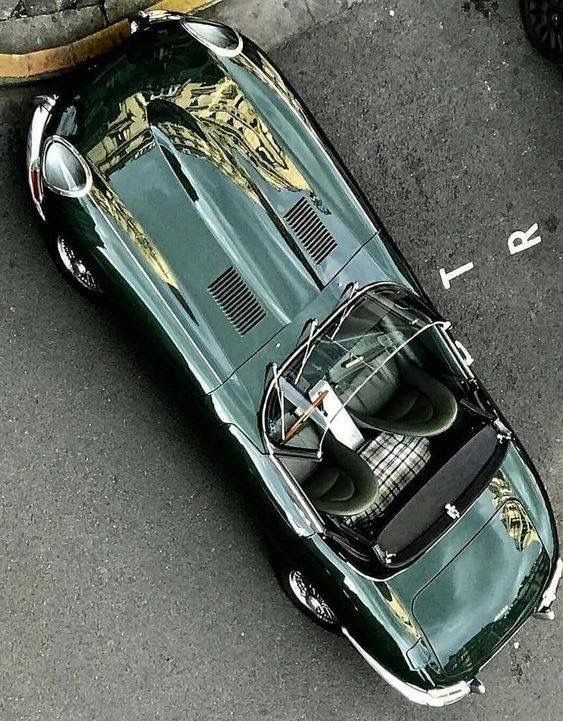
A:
315, 237
237, 301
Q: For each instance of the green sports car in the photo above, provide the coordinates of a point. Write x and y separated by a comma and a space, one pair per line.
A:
185, 181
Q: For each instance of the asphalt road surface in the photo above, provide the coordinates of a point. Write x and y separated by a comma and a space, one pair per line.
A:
133, 584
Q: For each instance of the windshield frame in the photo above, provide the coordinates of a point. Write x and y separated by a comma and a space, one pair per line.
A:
275, 371
438, 324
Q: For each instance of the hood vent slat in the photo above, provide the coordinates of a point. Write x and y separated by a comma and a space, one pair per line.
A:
236, 300
311, 231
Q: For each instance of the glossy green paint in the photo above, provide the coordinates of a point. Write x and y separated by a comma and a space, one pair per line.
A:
461, 641
223, 163
496, 545
196, 160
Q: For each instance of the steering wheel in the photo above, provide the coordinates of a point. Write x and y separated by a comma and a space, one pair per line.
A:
303, 417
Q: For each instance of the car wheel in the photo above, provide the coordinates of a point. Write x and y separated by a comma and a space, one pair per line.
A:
543, 21
74, 269
307, 598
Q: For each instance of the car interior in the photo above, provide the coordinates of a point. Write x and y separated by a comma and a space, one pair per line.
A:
379, 428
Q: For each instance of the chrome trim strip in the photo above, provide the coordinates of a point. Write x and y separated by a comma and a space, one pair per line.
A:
436, 697
67, 193
41, 115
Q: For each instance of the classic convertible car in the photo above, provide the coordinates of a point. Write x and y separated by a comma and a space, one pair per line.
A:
186, 181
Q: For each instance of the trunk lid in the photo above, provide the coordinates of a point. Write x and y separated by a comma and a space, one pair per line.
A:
499, 575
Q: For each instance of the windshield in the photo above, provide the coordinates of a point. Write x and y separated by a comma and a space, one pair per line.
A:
367, 338
356, 363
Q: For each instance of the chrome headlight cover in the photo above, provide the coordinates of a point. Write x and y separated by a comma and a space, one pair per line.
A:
204, 30
201, 30
81, 189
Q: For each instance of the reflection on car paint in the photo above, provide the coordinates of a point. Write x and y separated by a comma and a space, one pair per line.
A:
108, 201
222, 122
516, 521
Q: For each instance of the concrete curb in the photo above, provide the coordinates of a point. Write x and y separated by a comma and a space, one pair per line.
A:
30, 66
268, 22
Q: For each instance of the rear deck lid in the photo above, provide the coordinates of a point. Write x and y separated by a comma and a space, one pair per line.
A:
449, 492
470, 608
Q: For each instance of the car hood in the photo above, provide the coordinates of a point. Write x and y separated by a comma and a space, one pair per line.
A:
212, 172
501, 574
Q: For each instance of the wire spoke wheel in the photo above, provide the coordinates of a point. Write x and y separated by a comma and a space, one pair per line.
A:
75, 266
308, 596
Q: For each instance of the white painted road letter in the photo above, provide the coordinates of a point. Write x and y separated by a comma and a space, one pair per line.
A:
519, 240
446, 277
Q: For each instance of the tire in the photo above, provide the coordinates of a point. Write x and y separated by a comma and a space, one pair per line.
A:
306, 597
543, 22
74, 270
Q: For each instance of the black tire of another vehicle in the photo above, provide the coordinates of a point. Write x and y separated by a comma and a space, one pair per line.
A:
543, 22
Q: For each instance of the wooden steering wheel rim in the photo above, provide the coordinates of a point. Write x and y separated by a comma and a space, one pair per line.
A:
299, 422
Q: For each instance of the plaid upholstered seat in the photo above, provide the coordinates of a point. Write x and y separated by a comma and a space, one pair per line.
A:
395, 460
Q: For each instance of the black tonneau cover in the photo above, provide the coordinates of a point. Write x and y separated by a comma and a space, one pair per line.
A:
425, 517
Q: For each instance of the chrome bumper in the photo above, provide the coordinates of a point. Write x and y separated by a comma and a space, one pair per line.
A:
545, 610
450, 694
45, 105
436, 697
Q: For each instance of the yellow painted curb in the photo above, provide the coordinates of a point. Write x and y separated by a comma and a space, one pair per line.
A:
45, 62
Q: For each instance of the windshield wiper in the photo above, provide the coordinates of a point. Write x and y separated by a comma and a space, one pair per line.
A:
309, 347
281, 398
352, 289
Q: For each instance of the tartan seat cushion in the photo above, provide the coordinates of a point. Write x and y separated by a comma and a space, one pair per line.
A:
395, 460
